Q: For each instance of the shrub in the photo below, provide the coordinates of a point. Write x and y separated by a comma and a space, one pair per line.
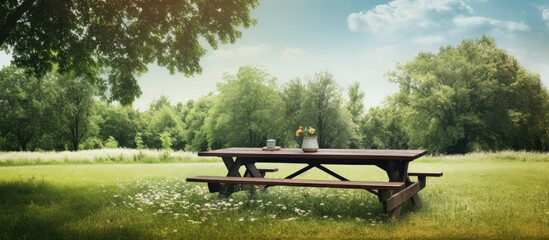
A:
91, 143
111, 143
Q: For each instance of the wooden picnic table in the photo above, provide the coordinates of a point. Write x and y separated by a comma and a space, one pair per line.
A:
395, 163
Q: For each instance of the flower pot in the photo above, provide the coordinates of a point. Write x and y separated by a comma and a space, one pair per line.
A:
310, 144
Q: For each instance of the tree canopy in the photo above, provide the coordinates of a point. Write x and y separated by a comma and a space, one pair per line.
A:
355, 106
245, 113
470, 97
24, 105
473, 96
322, 107
110, 42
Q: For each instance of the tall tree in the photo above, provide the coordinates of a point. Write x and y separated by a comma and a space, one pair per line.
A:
323, 108
246, 111
293, 95
356, 109
163, 120
465, 98
382, 128
159, 103
25, 104
118, 122
197, 137
89, 38
356, 102
529, 113
75, 103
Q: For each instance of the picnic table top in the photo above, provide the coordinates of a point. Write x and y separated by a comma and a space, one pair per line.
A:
323, 153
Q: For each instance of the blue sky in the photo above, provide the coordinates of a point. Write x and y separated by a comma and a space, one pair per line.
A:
359, 41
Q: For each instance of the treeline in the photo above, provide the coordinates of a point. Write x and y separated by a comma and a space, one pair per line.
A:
471, 97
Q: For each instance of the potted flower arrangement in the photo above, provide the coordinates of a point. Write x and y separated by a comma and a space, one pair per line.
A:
307, 139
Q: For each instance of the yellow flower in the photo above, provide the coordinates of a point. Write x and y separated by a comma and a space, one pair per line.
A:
299, 131
311, 130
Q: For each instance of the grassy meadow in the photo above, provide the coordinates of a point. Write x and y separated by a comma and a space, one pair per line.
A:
481, 196
103, 156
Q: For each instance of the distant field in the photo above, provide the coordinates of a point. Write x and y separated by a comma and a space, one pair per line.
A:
100, 156
481, 196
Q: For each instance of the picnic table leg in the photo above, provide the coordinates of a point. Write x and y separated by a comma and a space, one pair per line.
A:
396, 171
221, 188
416, 200
252, 171
233, 167
225, 190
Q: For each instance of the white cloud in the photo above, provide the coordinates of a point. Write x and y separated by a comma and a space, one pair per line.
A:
241, 52
419, 16
293, 53
478, 21
428, 40
399, 14
545, 15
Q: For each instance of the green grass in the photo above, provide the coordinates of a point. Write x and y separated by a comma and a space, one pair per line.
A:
98, 156
481, 196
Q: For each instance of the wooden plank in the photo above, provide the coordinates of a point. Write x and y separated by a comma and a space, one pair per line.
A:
321, 154
263, 171
234, 169
400, 197
416, 200
254, 172
214, 187
426, 174
299, 182
395, 213
230, 164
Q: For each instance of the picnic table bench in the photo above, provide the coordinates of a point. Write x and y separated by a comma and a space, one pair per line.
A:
391, 194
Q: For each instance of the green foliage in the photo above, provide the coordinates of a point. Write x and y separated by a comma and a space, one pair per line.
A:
162, 118
166, 146
119, 122
166, 140
317, 103
197, 136
246, 110
75, 108
469, 97
292, 95
139, 141
161, 102
322, 107
473, 96
26, 105
111, 142
356, 102
92, 143
140, 146
529, 113
356, 109
382, 129
113, 41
